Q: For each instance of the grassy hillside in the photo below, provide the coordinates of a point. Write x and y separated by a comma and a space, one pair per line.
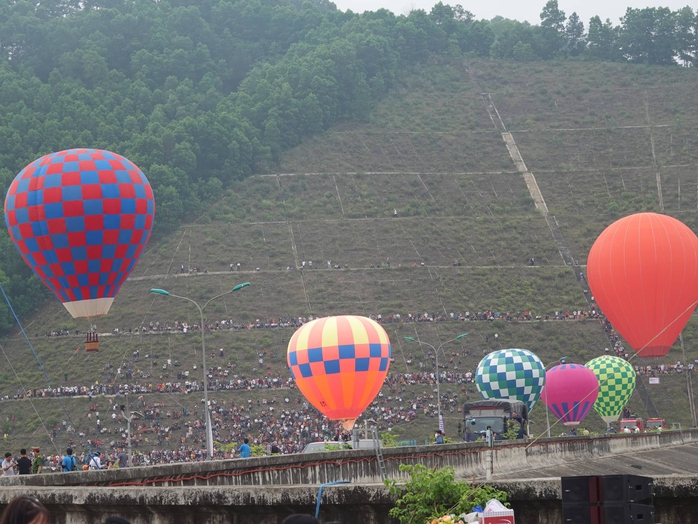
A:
465, 231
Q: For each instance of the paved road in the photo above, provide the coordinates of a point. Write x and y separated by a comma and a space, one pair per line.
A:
675, 460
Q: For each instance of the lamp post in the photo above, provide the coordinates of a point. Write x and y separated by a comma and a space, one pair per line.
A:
129, 418
560, 360
209, 430
436, 354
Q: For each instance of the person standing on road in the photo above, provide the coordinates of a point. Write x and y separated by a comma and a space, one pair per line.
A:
38, 462
95, 460
24, 464
68, 462
245, 450
489, 436
8, 465
122, 457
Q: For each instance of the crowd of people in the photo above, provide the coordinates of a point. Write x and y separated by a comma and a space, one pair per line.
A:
392, 318
666, 369
236, 383
171, 428
166, 432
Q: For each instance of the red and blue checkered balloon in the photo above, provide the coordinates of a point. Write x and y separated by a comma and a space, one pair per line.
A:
80, 219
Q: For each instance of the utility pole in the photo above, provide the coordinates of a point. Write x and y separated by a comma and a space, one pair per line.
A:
129, 418
689, 383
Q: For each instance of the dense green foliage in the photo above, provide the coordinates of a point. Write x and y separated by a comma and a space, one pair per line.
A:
19, 283
653, 35
432, 493
197, 94
203, 93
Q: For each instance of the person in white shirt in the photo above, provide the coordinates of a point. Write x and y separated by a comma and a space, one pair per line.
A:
95, 461
8, 465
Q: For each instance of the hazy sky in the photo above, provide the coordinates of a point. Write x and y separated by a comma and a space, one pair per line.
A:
517, 9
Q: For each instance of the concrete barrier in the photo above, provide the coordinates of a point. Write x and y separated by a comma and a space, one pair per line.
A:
535, 501
267, 489
360, 466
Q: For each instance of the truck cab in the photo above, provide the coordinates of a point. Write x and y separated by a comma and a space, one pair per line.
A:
632, 424
331, 445
655, 423
493, 413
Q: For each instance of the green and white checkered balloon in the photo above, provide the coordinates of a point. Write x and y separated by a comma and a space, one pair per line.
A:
514, 374
616, 385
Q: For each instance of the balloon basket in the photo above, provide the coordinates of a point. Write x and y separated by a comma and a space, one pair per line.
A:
92, 343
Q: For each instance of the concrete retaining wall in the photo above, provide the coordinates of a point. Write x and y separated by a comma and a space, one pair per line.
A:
360, 466
208, 505
266, 490
535, 501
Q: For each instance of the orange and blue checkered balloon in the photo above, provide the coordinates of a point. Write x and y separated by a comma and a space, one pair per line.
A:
80, 219
339, 364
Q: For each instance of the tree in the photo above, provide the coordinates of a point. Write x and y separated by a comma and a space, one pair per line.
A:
6, 320
687, 36
523, 52
574, 35
647, 36
552, 29
477, 38
511, 35
602, 40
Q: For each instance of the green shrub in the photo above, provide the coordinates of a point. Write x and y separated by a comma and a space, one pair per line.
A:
432, 493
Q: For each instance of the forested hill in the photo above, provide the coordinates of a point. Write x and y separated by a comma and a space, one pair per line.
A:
202, 93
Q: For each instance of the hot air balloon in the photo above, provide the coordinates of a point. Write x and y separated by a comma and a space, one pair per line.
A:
570, 392
515, 374
339, 364
643, 273
80, 219
616, 385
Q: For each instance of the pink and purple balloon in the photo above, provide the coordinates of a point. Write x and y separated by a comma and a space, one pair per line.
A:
570, 392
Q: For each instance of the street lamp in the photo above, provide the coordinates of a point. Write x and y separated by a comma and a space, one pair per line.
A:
129, 418
436, 354
560, 360
209, 431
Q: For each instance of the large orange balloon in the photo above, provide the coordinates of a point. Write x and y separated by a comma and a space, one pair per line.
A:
643, 272
339, 364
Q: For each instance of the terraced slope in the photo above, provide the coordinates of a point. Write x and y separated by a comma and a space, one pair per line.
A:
486, 164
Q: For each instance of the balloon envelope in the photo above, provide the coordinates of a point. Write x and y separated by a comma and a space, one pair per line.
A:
643, 273
339, 364
515, 374
616, 385
80, 219
570, 392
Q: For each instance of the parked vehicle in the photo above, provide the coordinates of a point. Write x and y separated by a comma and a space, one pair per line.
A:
331, 445
655, 423
493, 413
631, 423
